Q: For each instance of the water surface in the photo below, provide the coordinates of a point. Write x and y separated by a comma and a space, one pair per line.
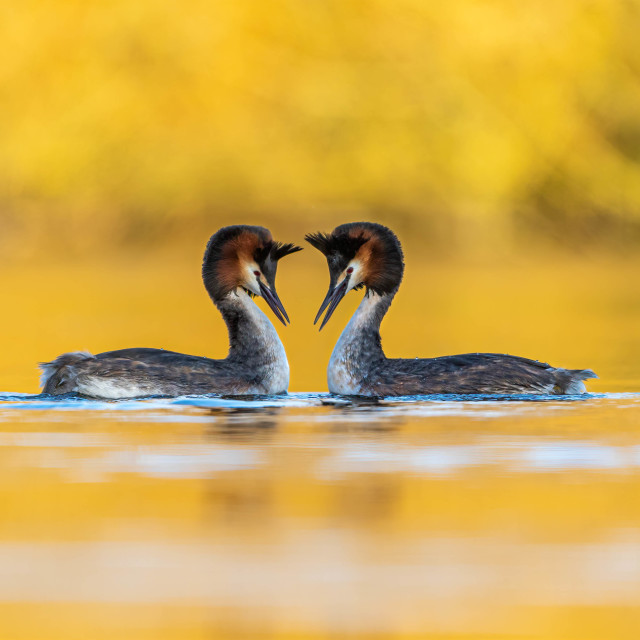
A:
312, 516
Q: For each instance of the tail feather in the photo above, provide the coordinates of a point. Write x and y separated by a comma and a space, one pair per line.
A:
570, 381
59, 376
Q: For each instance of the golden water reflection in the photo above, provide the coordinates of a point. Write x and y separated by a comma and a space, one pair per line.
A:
438, 520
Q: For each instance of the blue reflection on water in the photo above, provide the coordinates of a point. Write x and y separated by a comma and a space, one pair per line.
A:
73, 402
574, 455
513, 455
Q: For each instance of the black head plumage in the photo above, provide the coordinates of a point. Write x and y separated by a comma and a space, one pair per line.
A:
376, 244
230, 246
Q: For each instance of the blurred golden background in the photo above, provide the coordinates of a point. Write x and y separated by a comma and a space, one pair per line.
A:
485, 133
499, 139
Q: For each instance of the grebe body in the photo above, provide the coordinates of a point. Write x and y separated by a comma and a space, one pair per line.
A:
369, 255
239, 262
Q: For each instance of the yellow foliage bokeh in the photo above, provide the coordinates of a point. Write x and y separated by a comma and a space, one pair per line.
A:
120, 121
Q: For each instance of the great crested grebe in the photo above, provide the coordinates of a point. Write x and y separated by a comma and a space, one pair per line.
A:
239, 262
365, 254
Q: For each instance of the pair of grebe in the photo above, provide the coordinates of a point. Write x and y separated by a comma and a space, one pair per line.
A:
240, 262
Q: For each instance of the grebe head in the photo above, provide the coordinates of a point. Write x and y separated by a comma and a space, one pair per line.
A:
245, 257
359, 254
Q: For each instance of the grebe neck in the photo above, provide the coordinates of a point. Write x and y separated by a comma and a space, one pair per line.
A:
251, 333
359, 348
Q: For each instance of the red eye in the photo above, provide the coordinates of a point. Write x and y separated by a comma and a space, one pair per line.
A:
350, 270
256, 273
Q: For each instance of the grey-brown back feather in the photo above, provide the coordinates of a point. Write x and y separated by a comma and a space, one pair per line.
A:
159, 372
478, 373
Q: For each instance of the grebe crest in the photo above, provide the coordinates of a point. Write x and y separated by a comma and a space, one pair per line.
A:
359, 254
246, 257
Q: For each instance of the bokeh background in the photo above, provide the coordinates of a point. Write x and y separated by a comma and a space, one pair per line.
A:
500, 139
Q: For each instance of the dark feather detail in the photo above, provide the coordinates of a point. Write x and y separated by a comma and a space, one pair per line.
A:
281, 249
341, 244
320, 241
376, 244
261, 253
274, 250
267, 258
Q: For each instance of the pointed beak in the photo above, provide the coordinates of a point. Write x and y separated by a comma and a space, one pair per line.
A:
274, 303
324, 304
332, 300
